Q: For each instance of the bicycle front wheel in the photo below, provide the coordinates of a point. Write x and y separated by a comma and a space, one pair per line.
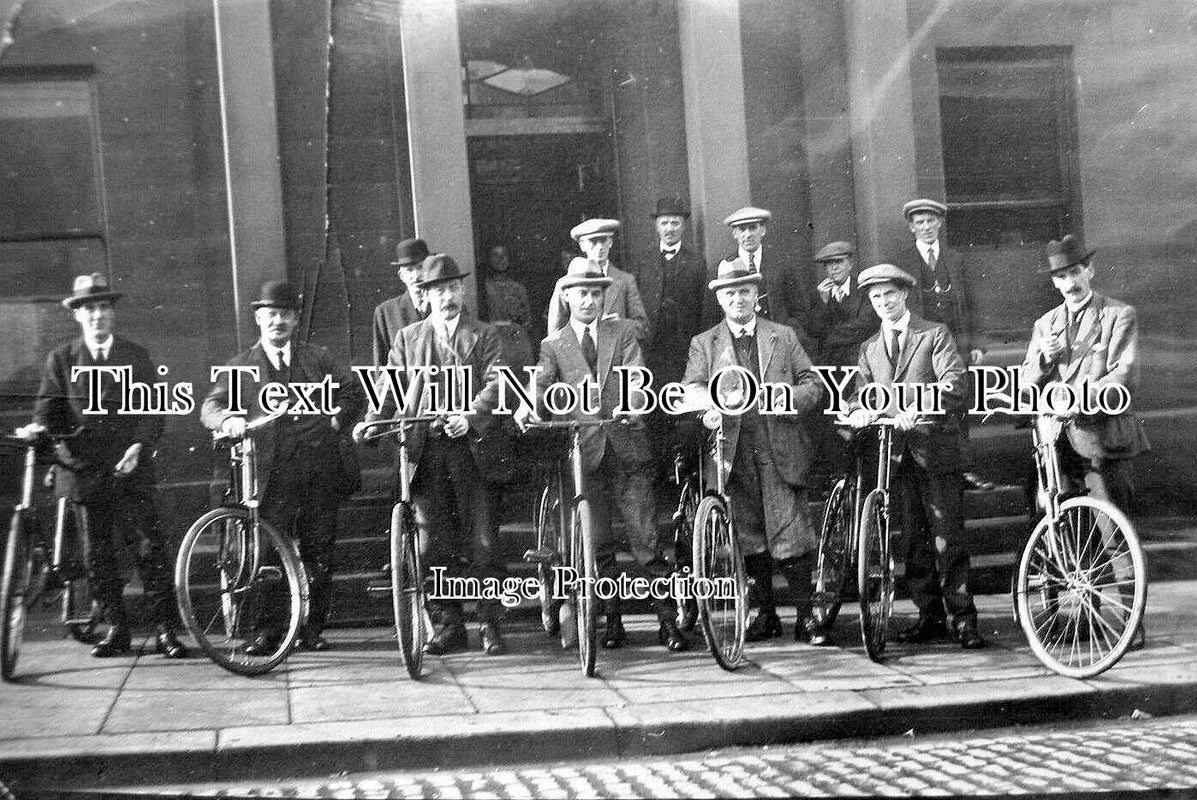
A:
15, 584
835, 557
547, 522
407, 591
1082, 588
242, 591
586, 571
683, 549
80, 614
720, 583
875, 573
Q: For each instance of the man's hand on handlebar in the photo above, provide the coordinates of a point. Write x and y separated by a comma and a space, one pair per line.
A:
233, 427
860, 418
456, 426
29, 432
524, 415
906, 420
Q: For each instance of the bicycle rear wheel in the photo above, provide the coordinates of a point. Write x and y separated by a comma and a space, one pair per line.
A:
80, 614
835, 559
16, 582
547, 521
683, 549
236, 584
875, 573
1081, 591
719, 568
407, 591
585, 603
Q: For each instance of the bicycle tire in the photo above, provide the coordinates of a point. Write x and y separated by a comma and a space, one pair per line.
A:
407, 591
226, 582
724, 615
14, 586
683, 552
834, 557
1063, 605
76, 586
875, 574
547, 523
586, 570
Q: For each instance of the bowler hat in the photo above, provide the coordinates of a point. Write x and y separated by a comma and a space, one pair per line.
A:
746, 215
670, 205
885, 273
581, 273
410, 252
1064, 253
89, 288
835, 251
594, 227
733, 273
278, 294
439, 268
924, 204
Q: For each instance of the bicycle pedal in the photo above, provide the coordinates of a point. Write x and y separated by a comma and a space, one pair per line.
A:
378, 588
271, 574
541, 555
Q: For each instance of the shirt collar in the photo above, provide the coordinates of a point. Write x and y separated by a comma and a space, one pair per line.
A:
1081, 306
738, 330
925, 248
100, 350
900, 326
671, 250
756, 255
579, 327
272, 352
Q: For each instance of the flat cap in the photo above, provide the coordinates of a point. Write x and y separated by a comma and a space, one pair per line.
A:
594, 227
885, 273
924, 204
834, 251
746, 215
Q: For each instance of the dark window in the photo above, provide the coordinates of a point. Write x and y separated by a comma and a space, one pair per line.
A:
1009, 142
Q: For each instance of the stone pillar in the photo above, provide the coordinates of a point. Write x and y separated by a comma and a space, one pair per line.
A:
716, 133
440, 170
882, 122
254, 183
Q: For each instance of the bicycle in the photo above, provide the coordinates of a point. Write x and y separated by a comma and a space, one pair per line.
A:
689, 493
233, 566
29, 578
408, 582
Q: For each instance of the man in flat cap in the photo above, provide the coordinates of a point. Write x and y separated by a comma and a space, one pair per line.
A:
781, 297
391, 316
767, 456
1094, 338
622, 300
916, 352
302, 477
458, 460
616, 459
112, 464
944, 293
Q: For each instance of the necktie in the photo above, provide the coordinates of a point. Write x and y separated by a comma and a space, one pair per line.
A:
1074, 326
589, 352
752, 261
669, 253
893, 347
281, 366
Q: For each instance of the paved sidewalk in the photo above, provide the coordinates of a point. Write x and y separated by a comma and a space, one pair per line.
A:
76, 721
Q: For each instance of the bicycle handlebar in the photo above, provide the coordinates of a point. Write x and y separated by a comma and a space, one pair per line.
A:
221, 436
574, 423
41, 437
381, 428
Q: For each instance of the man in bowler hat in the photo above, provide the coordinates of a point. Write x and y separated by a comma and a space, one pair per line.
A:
112, 464
301, 473
391, 316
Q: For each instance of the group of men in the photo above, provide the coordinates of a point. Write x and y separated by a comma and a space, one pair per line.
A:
905, 322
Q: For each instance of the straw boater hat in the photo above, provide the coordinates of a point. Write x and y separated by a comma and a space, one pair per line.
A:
746, 215
410, 253
733, 273
1065, 253
278, 294
439, 268
835, 251
924, 204
886, 273
88, 289
581, 273
594, 227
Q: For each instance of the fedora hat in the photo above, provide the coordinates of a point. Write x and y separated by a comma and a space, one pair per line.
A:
278, 294
89, 288
835, 251
439, 268
670, 205
581, 273
746, 215
733, 273
886, 273
1064, 253
410, 252
594, 227
924, 204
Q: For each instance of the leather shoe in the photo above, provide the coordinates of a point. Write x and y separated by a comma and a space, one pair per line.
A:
974, 480
168, 644
314, 642
116, 642
671, 636
967, 635
614, 636
264, 644
927, 629
492, 639
808, 630
448, 639
766, 625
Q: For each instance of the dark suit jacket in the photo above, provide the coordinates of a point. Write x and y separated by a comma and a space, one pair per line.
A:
561, 360
842, 327
788, 304
782, 360
674, 292
60, 404
929, 355
622, 299
479, 349
1106, 351
390, 317
953, 307
312, 434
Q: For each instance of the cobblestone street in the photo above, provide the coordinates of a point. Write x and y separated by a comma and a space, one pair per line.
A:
1130, 755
